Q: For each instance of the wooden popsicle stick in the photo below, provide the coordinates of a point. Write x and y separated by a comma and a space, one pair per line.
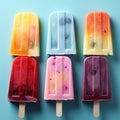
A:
96, 109
58, 108
21, 110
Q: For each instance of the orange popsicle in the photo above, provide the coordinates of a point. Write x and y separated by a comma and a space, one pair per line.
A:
98, 39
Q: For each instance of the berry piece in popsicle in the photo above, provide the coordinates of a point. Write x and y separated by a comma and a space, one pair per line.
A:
25, 36
98, 38
61, 34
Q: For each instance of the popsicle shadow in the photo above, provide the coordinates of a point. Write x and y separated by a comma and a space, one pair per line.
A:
39, 58
77, 39
76, 78
107, 107
116, 55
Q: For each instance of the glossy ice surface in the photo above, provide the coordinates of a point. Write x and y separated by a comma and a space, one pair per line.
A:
59, 80
97, 38
25, 36
96, 83
61, 34
23, 85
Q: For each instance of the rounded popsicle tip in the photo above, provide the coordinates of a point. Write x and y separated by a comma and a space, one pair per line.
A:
105, 14
52, 59
90, 58
97, 12
17, 59
59, 12
19, 14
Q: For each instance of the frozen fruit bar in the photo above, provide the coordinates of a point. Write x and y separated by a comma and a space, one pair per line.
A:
59, 80
23, 85
96, 82
25, 36
61, 34
98, 38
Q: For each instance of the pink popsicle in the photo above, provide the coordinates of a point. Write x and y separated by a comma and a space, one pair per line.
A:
59, 81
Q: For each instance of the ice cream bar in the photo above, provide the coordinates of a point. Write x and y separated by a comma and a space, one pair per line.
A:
23, 85
96, 83
97, 38
61, 34
25, 36
59, 80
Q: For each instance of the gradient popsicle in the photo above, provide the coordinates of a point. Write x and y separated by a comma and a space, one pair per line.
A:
61, 34
96, 82
25, 36
59, 80
23, 85
98, 38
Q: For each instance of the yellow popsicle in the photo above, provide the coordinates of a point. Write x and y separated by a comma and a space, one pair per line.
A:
25, 37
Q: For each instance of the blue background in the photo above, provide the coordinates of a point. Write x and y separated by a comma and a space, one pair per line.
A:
72, 110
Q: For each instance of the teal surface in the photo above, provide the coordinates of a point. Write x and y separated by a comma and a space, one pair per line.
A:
72, 110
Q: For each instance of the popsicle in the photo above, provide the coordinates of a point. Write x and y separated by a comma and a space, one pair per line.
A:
96, 82
23, 85
61, 34
25, 36
98, 38
59, 81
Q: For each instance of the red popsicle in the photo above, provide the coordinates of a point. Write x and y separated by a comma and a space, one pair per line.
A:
23, 81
